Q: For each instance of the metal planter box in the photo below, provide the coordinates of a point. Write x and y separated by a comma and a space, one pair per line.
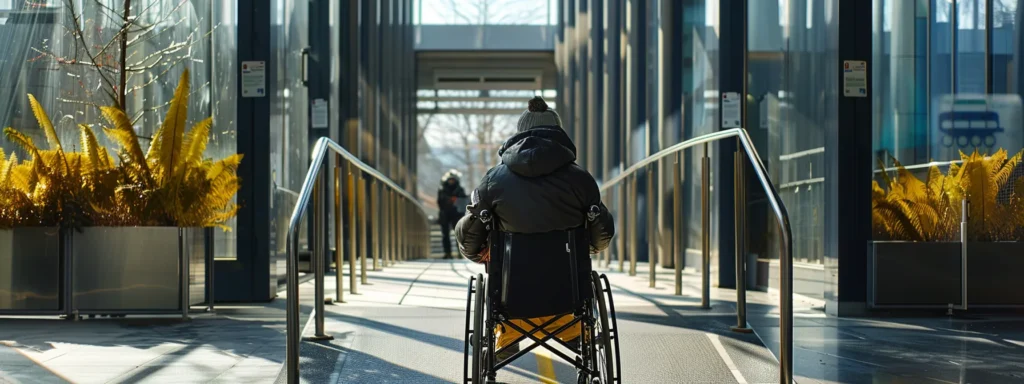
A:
137, 270
929, 275
31, 271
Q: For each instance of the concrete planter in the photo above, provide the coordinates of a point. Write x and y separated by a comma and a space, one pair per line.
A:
929, 275
31, 271
137, 270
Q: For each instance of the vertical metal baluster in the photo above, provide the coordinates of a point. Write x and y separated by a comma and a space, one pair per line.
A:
965, 217
705, 233
184, 256
740, 230
364, 244
353, 233
677, 223
375, 222
318, 257
652, 223
385, 225
292, 332
339, 228
392, 222
620, 212
634, 220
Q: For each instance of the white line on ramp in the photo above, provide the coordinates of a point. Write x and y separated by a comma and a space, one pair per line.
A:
725, 357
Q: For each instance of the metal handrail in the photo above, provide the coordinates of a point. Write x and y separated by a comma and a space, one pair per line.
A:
781, 215
312, 188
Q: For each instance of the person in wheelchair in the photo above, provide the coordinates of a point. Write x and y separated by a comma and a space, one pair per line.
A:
537, 188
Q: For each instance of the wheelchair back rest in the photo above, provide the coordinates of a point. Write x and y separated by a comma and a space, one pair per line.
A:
539, 274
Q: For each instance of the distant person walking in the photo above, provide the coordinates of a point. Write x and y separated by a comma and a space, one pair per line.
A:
448, 195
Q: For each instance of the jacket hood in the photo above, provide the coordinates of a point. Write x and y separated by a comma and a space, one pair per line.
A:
538, 151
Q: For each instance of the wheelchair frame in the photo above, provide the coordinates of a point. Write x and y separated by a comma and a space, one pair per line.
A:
597, 359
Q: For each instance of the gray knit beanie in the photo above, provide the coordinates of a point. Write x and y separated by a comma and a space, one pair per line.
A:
538, 115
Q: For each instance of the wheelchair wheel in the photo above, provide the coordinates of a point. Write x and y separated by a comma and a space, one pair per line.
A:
605, 334
479, 333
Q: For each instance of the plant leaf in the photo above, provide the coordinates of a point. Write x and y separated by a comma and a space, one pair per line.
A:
166, 147
195, 142
21, 140
45, 123
124, 134
7, 170
91, 148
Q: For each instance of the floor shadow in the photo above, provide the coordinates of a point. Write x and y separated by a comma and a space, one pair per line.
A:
429, 338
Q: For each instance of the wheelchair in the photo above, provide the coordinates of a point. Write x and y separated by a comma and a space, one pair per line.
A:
558, 282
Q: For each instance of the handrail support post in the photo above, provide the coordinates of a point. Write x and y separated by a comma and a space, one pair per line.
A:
318, 257
339, 228
705, 229
652, 224
740, 233
677, 223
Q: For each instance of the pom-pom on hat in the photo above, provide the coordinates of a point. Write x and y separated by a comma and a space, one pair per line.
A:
538, 114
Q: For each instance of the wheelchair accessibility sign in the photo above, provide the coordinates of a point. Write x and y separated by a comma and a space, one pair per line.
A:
855, 78
965, 122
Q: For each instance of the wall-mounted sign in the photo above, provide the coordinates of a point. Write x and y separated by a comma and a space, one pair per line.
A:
855, 78
321, 114
732, 114
254, 79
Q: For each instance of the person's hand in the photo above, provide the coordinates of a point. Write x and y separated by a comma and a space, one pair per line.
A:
454, 199
485, 255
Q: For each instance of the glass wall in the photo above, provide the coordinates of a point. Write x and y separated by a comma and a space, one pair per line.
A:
486, 12
700, 111
72, 73
948, 81
223, 96
289, 145
792, 89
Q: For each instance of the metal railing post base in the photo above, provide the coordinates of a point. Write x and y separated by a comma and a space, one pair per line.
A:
318, 338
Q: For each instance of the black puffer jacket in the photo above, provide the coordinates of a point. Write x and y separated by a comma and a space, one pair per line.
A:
537, 188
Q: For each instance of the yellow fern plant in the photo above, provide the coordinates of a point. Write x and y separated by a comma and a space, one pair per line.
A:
44, 189
171, 185
912, 210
